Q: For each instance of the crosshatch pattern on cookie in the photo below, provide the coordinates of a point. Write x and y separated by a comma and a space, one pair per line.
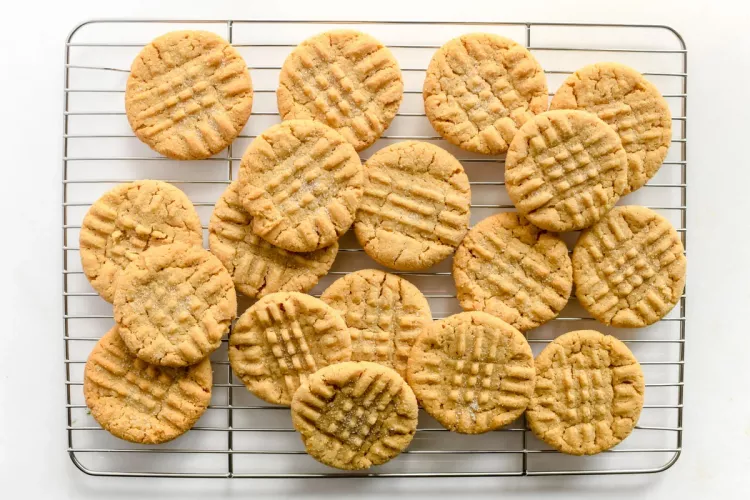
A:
129, 219
345, 79
173, 304
472, 372
302, 183
589, 393
140, 402
480, 88
282, 339
415, 208
257, 267
508, 267
188, 95
630, 104
629, 269
354, 415
384, 312
565, 169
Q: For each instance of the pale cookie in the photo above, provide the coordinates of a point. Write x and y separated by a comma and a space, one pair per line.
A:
565, 169
508, 267
629, 268
282, 339
302, 183
188, 95
415, 208
139, 402
588, 395
472, 372
173, 304
480, 88
384, 313
355, 415
345, 79
129, 219
629, 103
257, 267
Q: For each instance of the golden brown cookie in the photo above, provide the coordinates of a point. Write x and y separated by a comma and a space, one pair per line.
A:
565, 169
129, 219
415, 208
588, 395
139, 402
629, 103
282, 339
355, 415
302, 183
508, 267
472, 372
257, 267
384, 313
480, 88
173, 304
188, 95
345, 79
629, 268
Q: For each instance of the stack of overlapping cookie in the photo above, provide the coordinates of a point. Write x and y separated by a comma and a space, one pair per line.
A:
354, 363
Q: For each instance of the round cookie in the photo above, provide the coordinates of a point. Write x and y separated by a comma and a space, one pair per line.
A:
345, 79
629, 268
189, 94
257, 267
472, 372
139, 402
480, 88
282, 339
415, 208
173, 304
565, 169
128, 219
384, 313
629, 103
355, 415
588, 395
302, 183
508, 267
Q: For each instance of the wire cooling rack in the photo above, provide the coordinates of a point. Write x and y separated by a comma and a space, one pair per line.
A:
241, 436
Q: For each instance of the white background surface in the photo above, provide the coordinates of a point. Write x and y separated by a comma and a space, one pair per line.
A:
716, 454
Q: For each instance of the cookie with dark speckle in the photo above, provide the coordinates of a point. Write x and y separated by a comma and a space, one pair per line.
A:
355, 415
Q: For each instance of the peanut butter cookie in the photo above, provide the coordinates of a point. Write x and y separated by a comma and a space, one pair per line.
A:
139, 402
355, 415
129, 219
345, 79
189, 94
588, 395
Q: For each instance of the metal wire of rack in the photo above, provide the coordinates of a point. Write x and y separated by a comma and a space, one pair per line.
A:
243, 437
